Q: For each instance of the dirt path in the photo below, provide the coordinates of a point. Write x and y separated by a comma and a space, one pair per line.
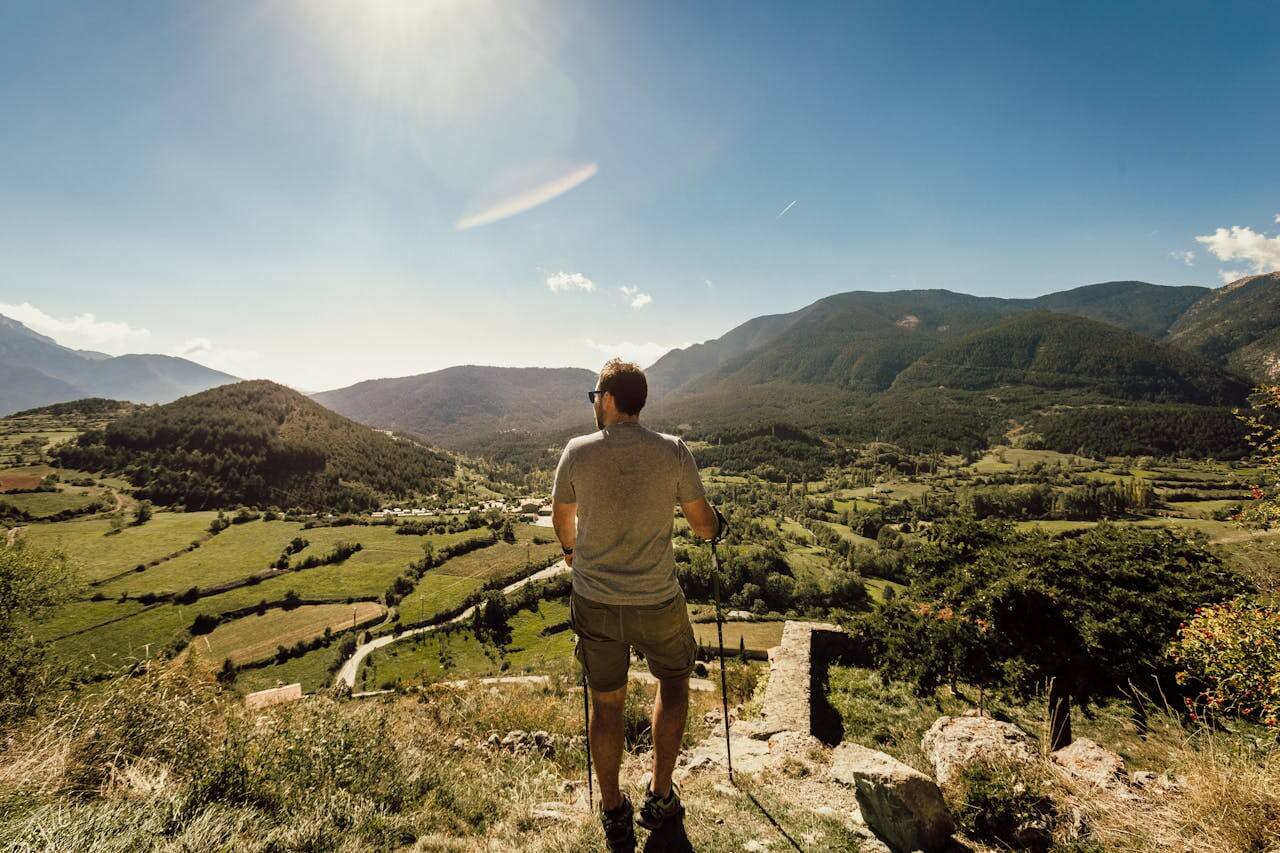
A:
351, 666
11, 536
696, 684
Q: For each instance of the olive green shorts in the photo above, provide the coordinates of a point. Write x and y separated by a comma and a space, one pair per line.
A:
607, 632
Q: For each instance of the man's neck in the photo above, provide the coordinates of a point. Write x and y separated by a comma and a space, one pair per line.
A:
622, 419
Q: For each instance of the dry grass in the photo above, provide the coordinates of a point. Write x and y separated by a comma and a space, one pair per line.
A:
168, 761
1230, 803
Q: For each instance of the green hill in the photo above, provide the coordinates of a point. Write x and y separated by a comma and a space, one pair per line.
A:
256, 443
858, 341
1238, 325
1059, 352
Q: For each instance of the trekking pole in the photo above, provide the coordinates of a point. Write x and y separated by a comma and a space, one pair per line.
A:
724, 688
586, 736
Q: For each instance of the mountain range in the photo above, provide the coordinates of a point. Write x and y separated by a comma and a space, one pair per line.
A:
882, 358
862, 363
36, 370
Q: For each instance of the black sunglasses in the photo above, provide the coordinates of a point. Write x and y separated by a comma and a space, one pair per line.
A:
591, 396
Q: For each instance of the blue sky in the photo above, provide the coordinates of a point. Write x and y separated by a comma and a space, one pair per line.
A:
276, 188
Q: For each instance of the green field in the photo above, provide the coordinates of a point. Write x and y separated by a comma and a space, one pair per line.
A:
100, 555
45, 504
255, 637
235, 553
420, 658
367, 574
759, 636
314, 670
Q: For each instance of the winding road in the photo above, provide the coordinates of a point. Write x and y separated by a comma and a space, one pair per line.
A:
351, 666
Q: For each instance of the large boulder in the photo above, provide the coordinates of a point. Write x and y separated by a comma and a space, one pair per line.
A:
953, 742
899, 803
1087, 761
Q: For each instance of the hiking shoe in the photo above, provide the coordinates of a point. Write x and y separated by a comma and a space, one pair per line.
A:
619, 831
655, 811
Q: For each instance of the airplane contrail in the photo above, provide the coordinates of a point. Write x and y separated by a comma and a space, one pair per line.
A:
785, 209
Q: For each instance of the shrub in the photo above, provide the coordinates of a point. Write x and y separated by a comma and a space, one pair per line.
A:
1233, 651
1001, 802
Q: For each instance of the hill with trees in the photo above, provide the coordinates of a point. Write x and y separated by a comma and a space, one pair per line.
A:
1238, 325
1148, 309
450, 406
256, 443
36, 370
1056, 351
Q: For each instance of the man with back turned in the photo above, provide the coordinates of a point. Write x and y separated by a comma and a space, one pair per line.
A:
612, 508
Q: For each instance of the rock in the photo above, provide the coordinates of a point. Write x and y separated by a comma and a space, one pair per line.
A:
755, 845
953, 742
460, 743
726, 790
900, 804
1085, 760
1142, 779
494, 740
827, 812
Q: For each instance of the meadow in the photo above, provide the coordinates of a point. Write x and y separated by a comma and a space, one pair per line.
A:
539, 638
257, 636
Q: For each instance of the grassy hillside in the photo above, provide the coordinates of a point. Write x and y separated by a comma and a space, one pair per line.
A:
256, 443
1056, 352
450, 406
1238, 324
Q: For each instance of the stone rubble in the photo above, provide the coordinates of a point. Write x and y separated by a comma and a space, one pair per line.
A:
953, 742
900, 804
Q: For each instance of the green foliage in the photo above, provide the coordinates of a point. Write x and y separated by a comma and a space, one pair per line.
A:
1054, 351
255, 443
1144, 430
1006, 803
32, 583
988, 605
1263, 422
1232, 650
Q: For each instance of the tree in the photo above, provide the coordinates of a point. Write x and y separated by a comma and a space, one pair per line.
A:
142, 513
32, 582
1083, 618
1263, 423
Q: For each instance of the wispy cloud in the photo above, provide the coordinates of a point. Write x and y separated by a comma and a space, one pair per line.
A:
785, 209
710, 285
563, 281
81, 331
527, 198
1188, 258
1229, 276
1241, 243
644, 353
638, 299
226, 359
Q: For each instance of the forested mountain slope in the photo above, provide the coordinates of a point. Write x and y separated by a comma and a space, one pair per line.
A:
1238, 324
1056, 351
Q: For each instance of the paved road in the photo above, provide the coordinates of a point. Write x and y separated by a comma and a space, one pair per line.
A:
351, 666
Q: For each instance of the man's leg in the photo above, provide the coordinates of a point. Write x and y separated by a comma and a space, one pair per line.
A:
670, 709
607, 741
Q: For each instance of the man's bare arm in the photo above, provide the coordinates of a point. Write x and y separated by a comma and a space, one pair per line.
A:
564, 520
701, 516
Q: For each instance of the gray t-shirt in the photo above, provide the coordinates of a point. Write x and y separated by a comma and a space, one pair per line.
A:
626, 481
